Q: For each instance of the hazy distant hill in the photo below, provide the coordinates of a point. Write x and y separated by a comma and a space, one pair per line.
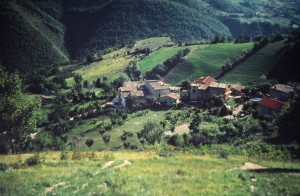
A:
42, 32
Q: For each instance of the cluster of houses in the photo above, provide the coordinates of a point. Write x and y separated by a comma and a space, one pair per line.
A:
164, 93
203, 88
206, 87
279, 93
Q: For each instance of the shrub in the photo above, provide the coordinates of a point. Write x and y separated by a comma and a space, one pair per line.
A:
64, 155
33, 160
3, 166
76, 155
223, 154
164, 150
108, 156
92, 155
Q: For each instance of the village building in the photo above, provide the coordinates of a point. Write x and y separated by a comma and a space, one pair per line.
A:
161, 91
206, 87
236, 89
171, 99
281, 92
157, 88
269, 107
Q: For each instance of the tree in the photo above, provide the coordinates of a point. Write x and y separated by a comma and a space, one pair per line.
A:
89, 143
152, 132
78, 79
18, 117
106, 139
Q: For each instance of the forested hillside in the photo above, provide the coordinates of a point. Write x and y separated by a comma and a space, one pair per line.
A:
29, 38
38, 33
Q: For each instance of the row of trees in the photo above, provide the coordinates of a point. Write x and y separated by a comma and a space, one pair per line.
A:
162, 69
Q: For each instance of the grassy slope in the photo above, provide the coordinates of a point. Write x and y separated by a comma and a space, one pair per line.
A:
132, 125
205, 61
160, 56
112, 66
31, 38
148, 174
152, 41
256, 66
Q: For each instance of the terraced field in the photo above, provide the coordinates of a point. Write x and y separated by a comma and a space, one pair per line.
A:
252, 70
206, 61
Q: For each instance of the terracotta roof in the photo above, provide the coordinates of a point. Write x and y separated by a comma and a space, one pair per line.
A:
218, 85
270, 103
202, 87
132, 88
172, 96
159, 85
282, 88
237, 87
205, 80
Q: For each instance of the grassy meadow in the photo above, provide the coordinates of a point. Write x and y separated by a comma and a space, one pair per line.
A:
112, 66
146, 173
152, 43
161, 55
256, 66
206, 61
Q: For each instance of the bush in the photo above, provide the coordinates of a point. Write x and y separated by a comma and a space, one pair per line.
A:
33, 160
64, 155
76, 155
108, 156
3, 166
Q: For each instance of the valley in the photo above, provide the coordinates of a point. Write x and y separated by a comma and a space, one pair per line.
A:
149, 97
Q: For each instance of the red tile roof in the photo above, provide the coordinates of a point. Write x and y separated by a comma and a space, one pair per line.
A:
205, 80
270, 103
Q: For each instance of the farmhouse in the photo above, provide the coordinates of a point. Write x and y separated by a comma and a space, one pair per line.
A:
170, 99
163, 92
236, 89
206, 87
268, 106
281, 92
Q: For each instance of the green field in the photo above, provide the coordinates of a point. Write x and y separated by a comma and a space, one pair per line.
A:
112, 66
206, 61
256, 66
161, 55
148, 174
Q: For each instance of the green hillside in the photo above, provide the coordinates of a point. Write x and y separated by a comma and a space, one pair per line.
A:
29, 37
256, 66
146, 173
206, 61
40, 33
158, 57
124, 21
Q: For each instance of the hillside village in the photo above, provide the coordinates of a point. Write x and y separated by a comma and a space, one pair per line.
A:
202, 89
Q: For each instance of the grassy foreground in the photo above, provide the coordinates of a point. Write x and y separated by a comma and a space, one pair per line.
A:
148, 174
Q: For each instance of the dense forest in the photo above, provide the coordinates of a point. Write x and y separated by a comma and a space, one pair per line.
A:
55, 32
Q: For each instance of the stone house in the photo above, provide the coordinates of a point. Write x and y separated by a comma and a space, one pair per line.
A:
170, 99
281, 92
206, 87
236, 89
268, 106
155, 88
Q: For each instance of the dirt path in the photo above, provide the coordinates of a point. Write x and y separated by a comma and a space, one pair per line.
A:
49, 189
251, 166
181, 129
123, 164
106, 165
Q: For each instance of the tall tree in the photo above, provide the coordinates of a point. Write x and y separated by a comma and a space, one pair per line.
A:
18, 116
